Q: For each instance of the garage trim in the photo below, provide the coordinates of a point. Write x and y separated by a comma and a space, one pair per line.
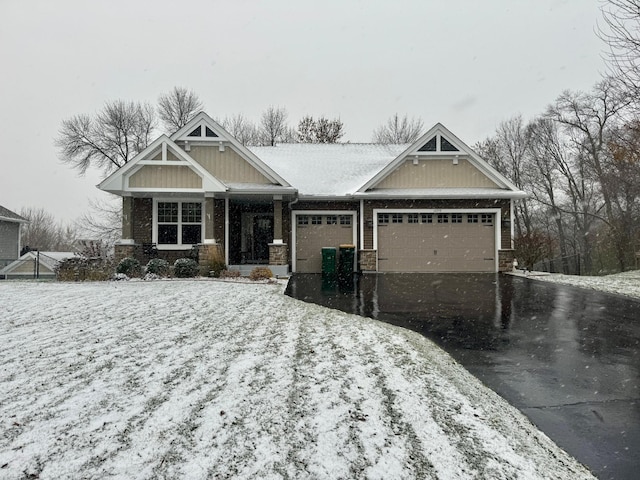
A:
294, 222
495, 211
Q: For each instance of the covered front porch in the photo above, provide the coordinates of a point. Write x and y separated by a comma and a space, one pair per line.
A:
242, 231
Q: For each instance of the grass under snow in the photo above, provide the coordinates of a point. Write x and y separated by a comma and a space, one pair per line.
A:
204, 379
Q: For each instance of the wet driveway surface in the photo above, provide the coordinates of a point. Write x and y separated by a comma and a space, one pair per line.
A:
568, 358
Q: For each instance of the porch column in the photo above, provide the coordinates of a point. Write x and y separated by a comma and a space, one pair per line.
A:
127, 220
209, 221
277, 221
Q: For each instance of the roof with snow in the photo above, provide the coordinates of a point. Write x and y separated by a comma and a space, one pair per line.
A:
49, 260
327, 170
9, 216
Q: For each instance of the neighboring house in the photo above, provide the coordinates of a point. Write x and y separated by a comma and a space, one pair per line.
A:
432, 206
35, 265
10, 229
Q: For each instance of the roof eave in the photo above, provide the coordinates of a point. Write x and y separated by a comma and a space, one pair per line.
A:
440, 195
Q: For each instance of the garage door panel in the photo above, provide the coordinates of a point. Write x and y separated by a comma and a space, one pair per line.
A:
436, 247
310, 239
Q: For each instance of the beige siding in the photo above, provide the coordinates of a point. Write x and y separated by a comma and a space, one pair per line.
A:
168, 176
227, 166
436, 173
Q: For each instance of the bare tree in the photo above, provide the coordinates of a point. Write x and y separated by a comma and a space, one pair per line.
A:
44, 233
621, 32
177, 108
102, 222
586, 117
242, 129
399, 130
107, 141
306, 132
273, 126
322, 130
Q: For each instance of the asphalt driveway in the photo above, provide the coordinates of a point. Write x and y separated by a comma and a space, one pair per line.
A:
568, 358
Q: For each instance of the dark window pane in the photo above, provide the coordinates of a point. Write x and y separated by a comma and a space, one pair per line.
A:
167, 234
446, 146
191, 212
167, 212
191, 234
430, 146
196, 133
209, 132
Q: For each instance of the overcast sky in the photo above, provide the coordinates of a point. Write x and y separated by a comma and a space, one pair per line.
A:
469, 64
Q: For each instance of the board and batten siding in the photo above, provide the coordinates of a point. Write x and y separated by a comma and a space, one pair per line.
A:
436, 173
165, 176
9, 240
227, 166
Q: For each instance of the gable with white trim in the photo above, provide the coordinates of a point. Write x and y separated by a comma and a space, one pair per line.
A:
163, 166
437, 160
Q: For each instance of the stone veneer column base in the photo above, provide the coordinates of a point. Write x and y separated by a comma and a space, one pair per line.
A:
505, 260
123, 251
368, 260
278, 253
208, 254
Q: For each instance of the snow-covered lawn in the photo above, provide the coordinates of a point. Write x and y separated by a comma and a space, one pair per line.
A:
204, 379
627, 283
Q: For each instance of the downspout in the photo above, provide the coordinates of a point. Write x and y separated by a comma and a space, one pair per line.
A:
293, 234
226, 230
361, 224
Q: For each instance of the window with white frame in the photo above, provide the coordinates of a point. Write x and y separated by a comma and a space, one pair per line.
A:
396, 218
412, 218
316, 219
472, 218
332, 220
443, 218
303, 220
487, 218
456, 218
383, 218
426, 218
179, 223
345, 219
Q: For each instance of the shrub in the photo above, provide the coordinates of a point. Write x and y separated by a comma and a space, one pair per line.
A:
260, 273
186, 268
129, 266
81, 269
214, 260
229, 274
159, 267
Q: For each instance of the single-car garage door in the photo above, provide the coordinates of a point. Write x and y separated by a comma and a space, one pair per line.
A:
436, 242
315, 231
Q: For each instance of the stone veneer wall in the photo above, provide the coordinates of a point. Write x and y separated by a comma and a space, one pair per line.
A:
368, 260
505, 260
206, 254
124, 251
278, 254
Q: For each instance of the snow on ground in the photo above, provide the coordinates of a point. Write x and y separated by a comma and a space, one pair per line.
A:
627, 283
204, 379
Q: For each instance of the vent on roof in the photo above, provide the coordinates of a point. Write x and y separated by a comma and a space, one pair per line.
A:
446, 145
209, 132
430, 146
197, 132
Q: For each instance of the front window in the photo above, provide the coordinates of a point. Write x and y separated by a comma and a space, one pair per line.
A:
179, 223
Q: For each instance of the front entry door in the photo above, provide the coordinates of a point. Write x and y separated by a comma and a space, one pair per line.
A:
262, 236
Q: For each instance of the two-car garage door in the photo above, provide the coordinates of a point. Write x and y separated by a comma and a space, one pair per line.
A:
436, 242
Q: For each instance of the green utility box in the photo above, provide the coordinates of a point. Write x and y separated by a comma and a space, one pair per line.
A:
347, 259
329, 258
